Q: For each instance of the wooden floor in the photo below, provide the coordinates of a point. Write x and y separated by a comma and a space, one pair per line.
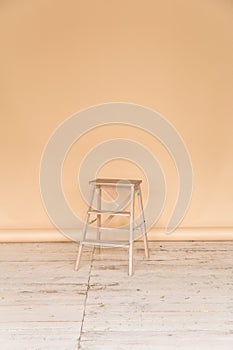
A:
182, 298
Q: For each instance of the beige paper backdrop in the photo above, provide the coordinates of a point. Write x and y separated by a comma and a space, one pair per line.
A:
58, 57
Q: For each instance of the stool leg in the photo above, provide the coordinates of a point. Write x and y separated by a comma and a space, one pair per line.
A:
78, 257
98, 215
131, 233
143, 223
84, 232
81, 242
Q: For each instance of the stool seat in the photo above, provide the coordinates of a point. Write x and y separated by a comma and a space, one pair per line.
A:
132, 186
114, 182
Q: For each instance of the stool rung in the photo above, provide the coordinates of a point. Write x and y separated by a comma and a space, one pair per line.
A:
106, 243
110, 212
101, 228
126, 229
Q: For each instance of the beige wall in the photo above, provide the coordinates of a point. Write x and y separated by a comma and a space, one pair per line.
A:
58, 57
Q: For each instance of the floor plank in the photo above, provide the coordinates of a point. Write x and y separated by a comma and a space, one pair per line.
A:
39, 335
42, 297
182, 298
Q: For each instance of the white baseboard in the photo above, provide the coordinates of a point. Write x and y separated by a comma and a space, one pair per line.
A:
180, 234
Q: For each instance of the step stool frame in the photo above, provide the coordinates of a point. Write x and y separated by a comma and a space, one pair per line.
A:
97, 185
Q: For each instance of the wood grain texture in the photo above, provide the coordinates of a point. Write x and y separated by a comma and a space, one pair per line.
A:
182, 298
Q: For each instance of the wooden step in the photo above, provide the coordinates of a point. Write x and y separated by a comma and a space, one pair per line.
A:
106, 243
110, 212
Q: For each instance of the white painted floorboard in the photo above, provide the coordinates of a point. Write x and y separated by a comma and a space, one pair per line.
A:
182, 298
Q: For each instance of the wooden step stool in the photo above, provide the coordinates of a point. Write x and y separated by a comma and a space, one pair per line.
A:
133, 186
